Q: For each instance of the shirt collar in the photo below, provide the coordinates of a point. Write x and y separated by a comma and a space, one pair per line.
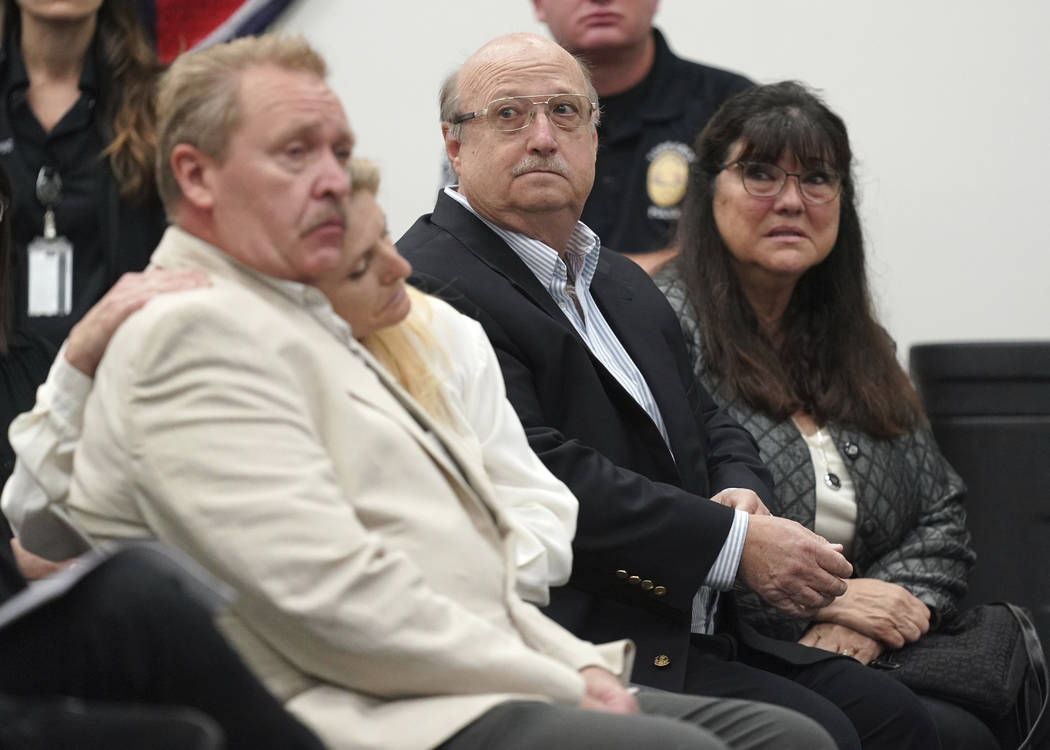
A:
17, 78
581, 251
302, 295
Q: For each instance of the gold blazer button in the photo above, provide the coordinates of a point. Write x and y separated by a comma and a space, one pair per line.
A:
662, 660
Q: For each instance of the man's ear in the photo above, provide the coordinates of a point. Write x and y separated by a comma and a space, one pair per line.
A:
452, 147
192, 169
541, 14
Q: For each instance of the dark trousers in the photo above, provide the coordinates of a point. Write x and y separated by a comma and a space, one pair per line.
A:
860, 707
959, 729
127, 633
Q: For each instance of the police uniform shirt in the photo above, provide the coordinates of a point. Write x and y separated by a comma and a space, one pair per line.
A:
645, 142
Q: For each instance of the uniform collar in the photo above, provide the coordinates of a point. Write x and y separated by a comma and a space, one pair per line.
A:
658, 97
666, 94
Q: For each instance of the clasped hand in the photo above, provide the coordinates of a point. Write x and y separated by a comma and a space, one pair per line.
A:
880, 610
789, 566
869, 617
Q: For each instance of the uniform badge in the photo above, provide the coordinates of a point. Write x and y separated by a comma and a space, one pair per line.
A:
668, 173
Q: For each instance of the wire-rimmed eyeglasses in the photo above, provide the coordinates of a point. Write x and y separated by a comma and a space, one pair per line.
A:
510, 113
764, 180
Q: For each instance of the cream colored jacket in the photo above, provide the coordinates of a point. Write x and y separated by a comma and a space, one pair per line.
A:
375, 569
541, 507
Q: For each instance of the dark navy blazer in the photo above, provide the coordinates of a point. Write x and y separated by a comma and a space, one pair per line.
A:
647, 533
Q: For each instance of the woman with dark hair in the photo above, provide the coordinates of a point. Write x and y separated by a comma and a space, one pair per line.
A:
771, 288
77, 138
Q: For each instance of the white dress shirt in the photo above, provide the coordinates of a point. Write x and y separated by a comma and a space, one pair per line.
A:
576, 303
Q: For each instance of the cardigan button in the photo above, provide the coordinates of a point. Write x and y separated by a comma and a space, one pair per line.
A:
621, 573
851, 449
659, 590
635, 580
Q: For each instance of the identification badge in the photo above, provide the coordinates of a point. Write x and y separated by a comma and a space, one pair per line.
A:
50, 276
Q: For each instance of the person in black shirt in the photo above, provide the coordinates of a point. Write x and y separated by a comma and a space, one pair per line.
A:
77, 140
653, 105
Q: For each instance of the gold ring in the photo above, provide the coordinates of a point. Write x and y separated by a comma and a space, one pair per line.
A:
846, 652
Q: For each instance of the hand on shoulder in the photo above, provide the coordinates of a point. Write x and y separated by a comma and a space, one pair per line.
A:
89, 338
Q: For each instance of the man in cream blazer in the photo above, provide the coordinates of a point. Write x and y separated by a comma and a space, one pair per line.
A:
244, 424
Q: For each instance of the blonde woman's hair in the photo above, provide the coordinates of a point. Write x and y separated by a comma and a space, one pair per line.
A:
406, 349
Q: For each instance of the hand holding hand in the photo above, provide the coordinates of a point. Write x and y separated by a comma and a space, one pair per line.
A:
880, 610
842, 640
789, 566
741, 499
603, 692
89, 338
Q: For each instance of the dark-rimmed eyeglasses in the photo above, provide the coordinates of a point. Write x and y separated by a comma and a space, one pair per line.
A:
764, 180
511, 113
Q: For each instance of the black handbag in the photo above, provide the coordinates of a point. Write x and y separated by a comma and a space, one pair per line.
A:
988, 660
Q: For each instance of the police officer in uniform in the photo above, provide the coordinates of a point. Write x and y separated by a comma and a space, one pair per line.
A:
653, 106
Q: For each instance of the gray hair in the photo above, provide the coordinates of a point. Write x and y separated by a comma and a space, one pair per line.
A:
198, 98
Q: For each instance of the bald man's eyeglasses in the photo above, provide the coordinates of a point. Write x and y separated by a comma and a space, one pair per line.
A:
511, 113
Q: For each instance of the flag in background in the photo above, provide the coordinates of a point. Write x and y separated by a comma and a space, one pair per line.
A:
180, 25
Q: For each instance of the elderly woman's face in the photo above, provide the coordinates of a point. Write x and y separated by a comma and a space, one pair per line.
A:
778, 238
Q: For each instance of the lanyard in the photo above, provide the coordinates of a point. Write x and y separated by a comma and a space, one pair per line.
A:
49, 193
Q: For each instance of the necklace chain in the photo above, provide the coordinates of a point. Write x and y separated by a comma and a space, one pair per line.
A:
831, 479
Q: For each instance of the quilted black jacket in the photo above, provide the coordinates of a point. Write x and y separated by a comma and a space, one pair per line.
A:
911, 523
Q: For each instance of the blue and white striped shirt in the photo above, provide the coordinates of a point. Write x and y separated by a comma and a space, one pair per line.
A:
576, 303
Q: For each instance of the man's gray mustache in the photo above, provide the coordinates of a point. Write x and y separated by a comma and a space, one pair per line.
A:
540, 164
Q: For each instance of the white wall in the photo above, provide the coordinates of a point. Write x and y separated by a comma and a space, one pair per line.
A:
947, 101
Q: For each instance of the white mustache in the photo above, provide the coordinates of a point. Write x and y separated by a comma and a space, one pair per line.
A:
541, 164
